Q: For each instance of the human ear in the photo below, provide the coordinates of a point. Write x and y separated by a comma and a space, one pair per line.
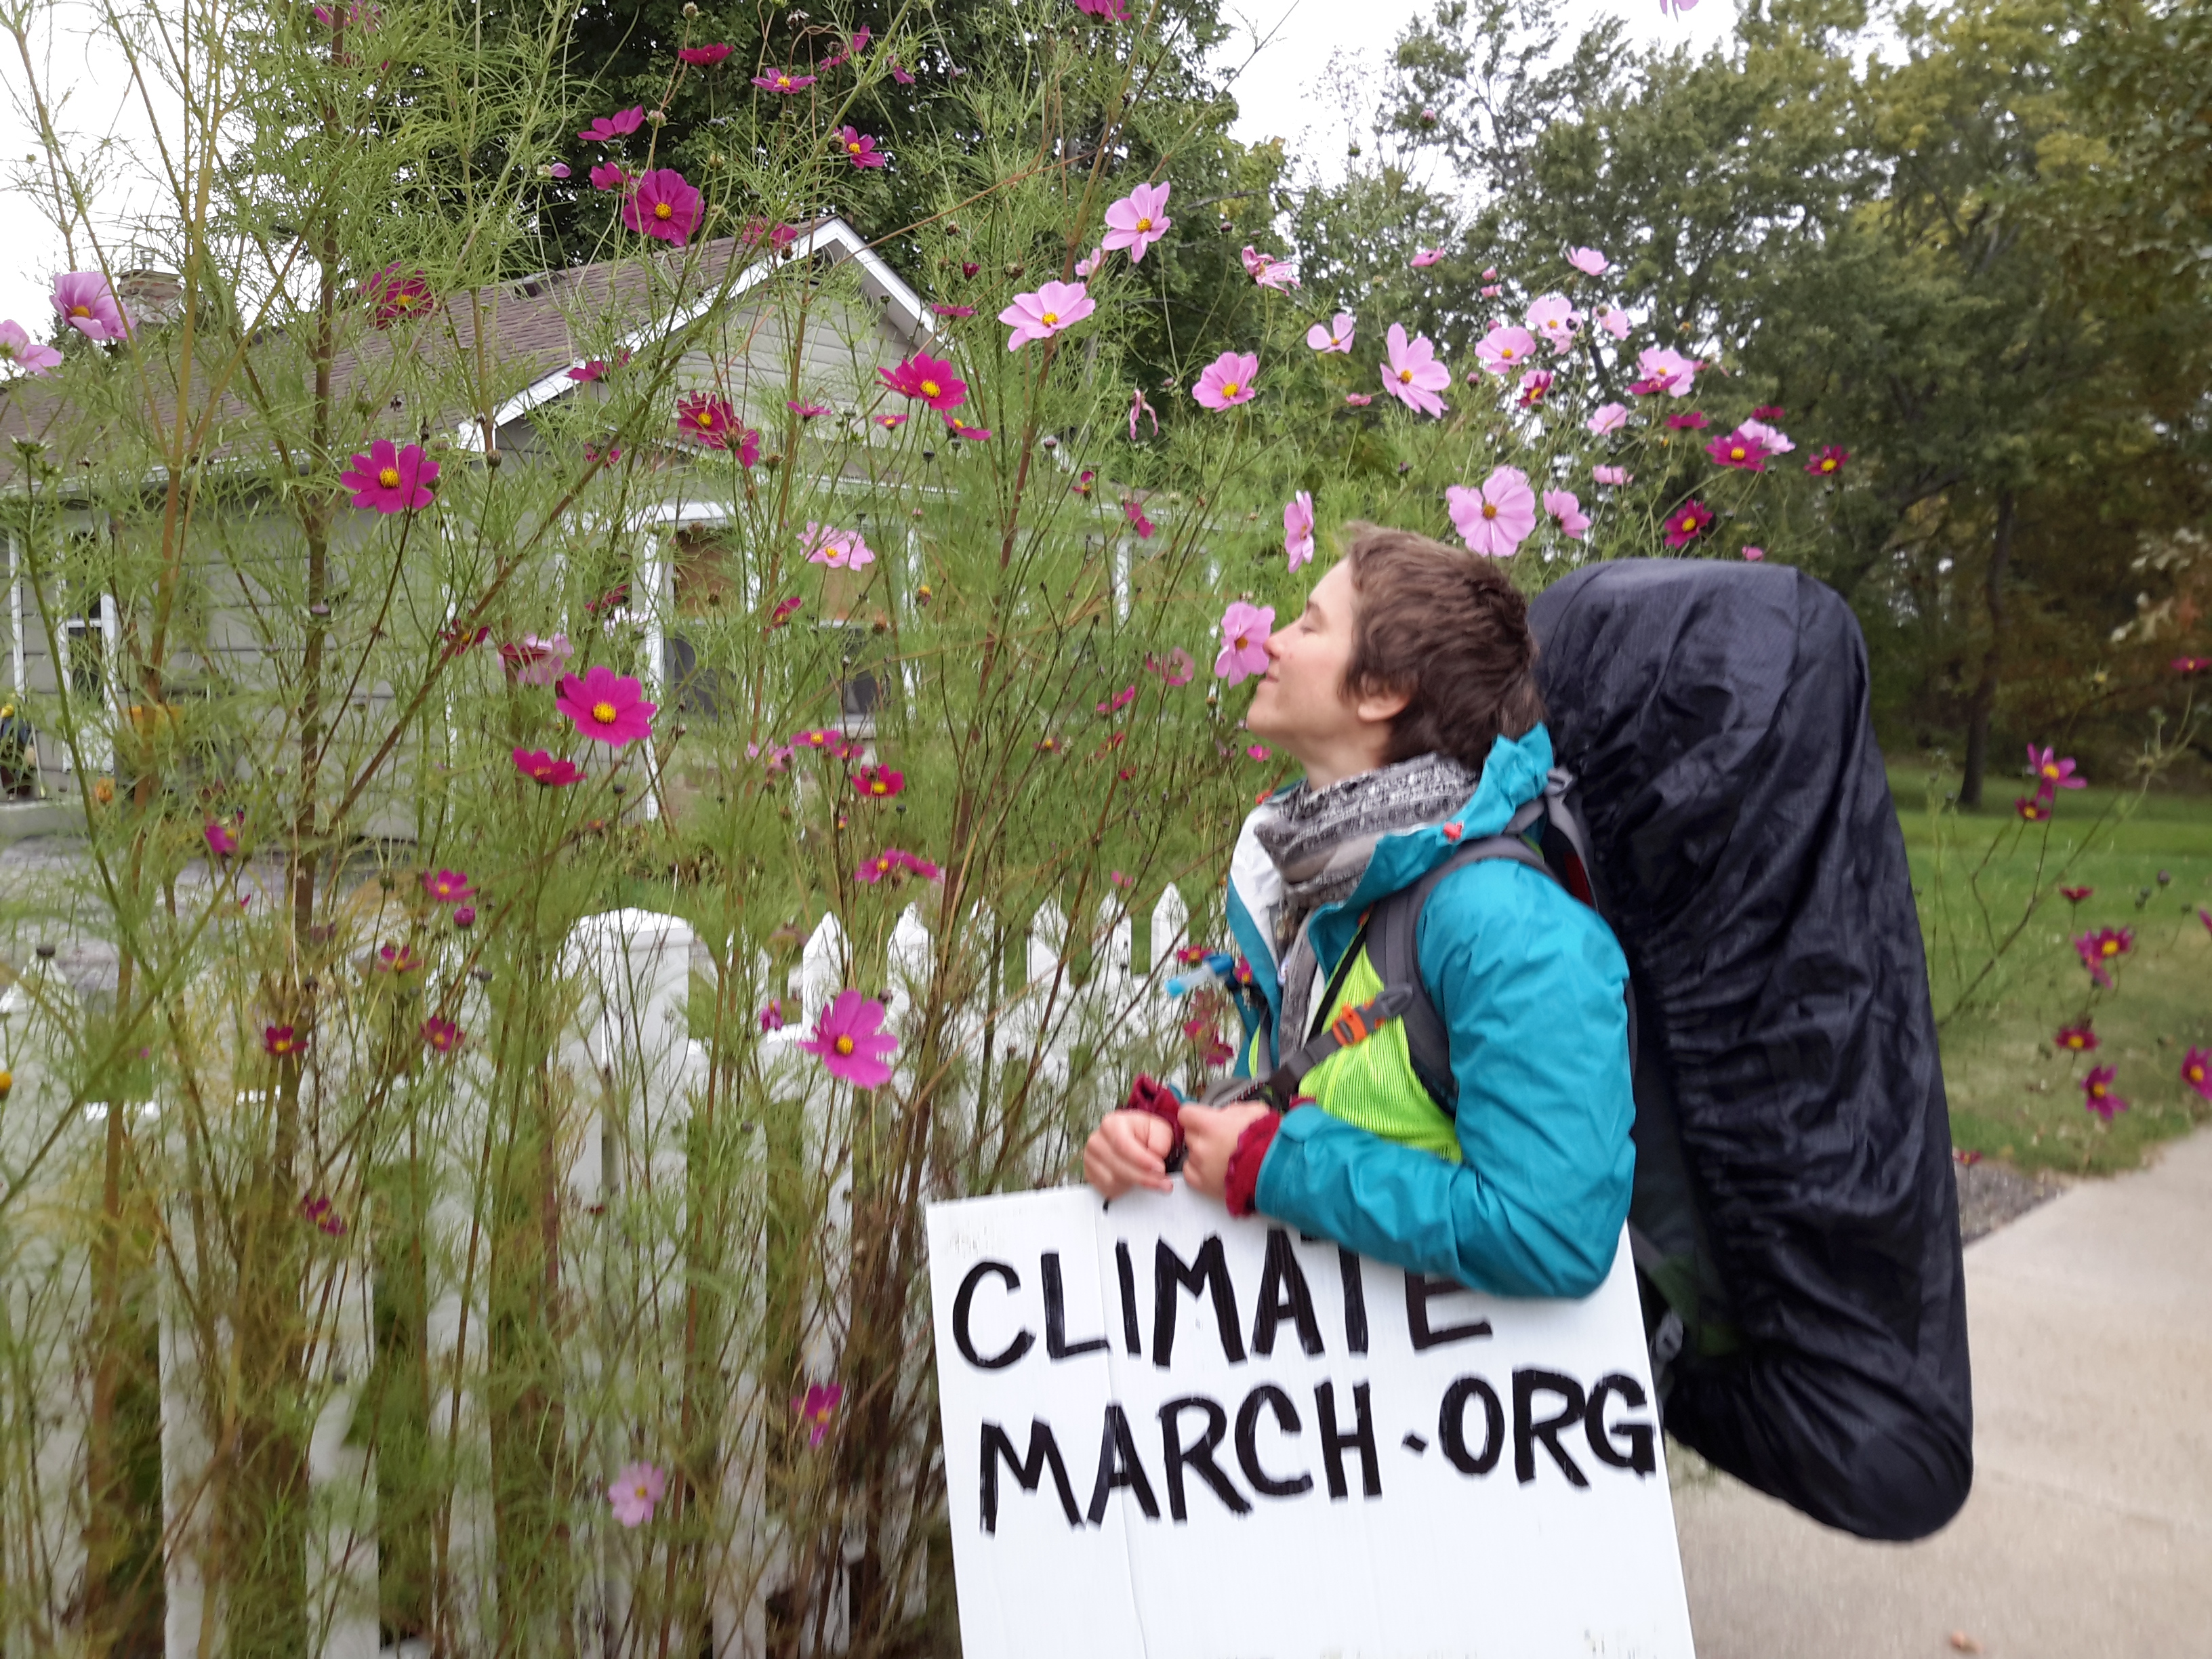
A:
1377, 707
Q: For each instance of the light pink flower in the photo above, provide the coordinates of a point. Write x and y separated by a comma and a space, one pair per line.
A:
1777, 442
1611, 475
1138, 219
1357, 399
1267, 270
1554, 320
1673, 373
1041, 315
17, 347
663, 205
1227, 380
850, 1041
1411, 374
1427, 257
1298, 528
1505, 348
1495, 518
88, 305
1588, 261
1613, 320
1087, 266
1608, 418
1178, 667
1561, 504
636, 1492
840, 550
1334, 335
1244, 630
1754, 554
390, 479
605, 707
535, 662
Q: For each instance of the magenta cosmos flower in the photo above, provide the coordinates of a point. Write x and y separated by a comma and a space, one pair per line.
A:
220, 841
389, 479
714, 423
1427, 257
1041, 315
702, 57
859, 149
17, 347
2196, 1071
1411, 373
280, 1039
663, 205
840, 550
1567, 511
850, 1041
1298, 528
605, 129
1244, 630
1114, 11
1495, 518
447, 887
1739, 449
817, 1407
441, 1033
1588, 261
1138, 219
606, 706
2053, 772
2097, 1094
928, 379
610, 175
543, 770
783, 80
88, 305
2075, 1039
1686, 523
1336, 334
1505, 348
1609, 417
1555, 321
1827, 460
1228, 379
396, 295
636, 1493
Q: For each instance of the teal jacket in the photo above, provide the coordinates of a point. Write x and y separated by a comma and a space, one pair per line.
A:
1530, 984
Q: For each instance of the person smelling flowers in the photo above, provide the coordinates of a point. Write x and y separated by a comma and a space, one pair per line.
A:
1406, 688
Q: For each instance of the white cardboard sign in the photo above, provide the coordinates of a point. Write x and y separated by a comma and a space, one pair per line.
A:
1173, 1434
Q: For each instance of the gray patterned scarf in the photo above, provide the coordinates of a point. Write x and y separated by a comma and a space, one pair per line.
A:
1322, 840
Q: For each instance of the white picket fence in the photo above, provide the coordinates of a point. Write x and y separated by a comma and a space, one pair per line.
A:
633, 1075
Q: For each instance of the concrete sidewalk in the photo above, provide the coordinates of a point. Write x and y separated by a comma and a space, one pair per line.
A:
2089, 1532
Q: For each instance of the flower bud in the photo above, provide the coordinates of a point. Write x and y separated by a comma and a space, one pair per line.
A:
689, 10
656, 118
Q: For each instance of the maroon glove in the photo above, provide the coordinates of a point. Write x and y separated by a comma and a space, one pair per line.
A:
1241, 1188
1157, 1100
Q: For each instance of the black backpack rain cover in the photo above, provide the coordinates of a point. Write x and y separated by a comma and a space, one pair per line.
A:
1793, 1148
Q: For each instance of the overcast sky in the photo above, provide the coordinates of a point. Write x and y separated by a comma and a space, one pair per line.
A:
1276, 96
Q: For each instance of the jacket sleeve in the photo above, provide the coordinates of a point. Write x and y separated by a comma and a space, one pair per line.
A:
1530, 984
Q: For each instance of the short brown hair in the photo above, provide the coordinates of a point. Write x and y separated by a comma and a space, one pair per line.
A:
1449, 630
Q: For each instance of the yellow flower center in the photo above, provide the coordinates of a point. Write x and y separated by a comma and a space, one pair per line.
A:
1490, 509
389, 477
1229, 388
929, 389
1145, 223
80, 311
1827, 466
603, 713
877, 787
1736, 453
844, 1045
783, 84
2111, 947
1241, 641
1051, 319
706, 419
663, 210
854, 147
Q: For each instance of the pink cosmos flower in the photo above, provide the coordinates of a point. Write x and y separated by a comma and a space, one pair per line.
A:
1693, 421
636, 1492
441, 1033
822, 1401
88, 305
2186, 666
1739, 450
1490, 273
2076, 1039
1754, 554
1427, 257
943, 310
1244, 630
447, 887
534, 662
1611, 475
542, 770
396, 959
702, 57
879, 782
1255, 751
1039, 316
610, 175
1673, 372
771, 1015
1588, 261
558, 170
663, 205
17, 347
1495, 518
2100, 950
1777, 442
595, 369
1555, 321
706, 418
1334, 335
465, 916
389, 479
1134, 513
220, 841
1298, 528
1227, 380
840, 550
1114, 11
901, 74
1411, 373
1267, 270
1087, 266
280, 1039
2052, 773
1613, 320
2196, 1071
1118, 702
859, 149
757, 231
605, 707
1137, 221
805, 411
955, 427
1561, 504
851, 1042
1686, 523
395, 295
1609, 417
2097, 1094
1827, 460
928, 379
1534, 384
2033, 808
1357, 399
784, 610
1504, 348
783, 80
1178, 667
608, 128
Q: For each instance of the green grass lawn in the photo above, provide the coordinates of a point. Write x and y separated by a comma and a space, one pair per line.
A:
2014, 1095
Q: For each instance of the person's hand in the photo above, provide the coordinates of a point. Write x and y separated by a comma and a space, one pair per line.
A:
1129, 1149
1210, 1135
